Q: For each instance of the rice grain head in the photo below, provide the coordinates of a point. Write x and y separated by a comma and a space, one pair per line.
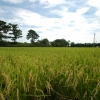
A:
2, 96
6, 78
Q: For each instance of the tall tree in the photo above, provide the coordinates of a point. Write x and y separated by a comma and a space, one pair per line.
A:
32, 35
4, 29
17, 33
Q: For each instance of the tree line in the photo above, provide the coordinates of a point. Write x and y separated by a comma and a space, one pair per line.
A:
12, 32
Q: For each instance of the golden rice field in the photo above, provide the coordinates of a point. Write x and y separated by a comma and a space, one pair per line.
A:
49, 73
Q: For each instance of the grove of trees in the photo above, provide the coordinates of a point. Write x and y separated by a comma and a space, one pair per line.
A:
9, 31
12, 32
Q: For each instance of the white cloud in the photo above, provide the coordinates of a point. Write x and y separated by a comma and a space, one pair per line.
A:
31, 0
98, 13
13, 1
55, 2
82, 10
30, 18
95, 3
69, 17
51, 3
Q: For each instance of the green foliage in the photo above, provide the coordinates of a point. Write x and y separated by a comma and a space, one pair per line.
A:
44, 42
4, 29
32, 35
17, 33
59, 43
49, 73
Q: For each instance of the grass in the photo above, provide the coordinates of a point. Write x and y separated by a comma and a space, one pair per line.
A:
49, 73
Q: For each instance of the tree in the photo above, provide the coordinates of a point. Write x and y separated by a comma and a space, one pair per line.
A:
32, 35
68, 43
72, 44
4, 29
43, 42
17, 33
59, 43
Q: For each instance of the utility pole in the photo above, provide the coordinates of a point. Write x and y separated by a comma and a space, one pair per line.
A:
94, 41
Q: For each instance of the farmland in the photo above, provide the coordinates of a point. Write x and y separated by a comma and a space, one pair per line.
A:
49, 73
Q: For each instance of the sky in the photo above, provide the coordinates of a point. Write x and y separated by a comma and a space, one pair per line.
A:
74, 20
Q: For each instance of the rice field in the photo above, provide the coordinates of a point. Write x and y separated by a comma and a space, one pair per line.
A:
49, 73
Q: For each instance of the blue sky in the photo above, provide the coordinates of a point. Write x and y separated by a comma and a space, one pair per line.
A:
74, 20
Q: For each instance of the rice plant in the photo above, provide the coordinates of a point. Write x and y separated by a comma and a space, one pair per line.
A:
49, 73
